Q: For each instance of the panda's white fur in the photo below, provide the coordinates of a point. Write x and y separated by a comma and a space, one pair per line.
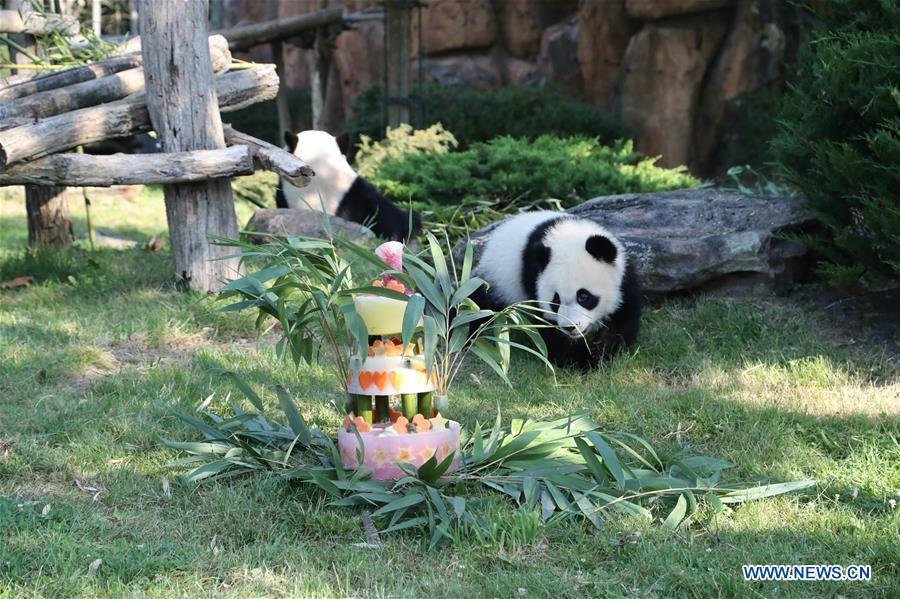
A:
575, 269
337, 189
334, 176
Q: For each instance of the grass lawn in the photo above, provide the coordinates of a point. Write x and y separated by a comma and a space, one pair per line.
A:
92, 369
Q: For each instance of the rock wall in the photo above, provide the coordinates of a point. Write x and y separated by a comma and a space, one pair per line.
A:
674, 70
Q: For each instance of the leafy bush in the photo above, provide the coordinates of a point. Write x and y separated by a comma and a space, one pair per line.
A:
839, 138
462, 191
399, 142
475, 115
506, 170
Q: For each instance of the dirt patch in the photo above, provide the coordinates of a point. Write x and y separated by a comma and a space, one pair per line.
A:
870, 319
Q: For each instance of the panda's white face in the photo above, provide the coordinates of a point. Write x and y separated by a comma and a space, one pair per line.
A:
334, 175
582, 281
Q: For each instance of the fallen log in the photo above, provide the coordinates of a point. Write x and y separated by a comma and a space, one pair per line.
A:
17, 79
272, 158
97, 91
86, 170
247, 36
235, 90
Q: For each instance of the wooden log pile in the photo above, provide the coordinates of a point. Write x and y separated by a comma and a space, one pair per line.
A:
43, 121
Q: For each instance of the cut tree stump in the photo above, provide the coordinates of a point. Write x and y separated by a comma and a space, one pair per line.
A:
48, 217
184, 110
87, 170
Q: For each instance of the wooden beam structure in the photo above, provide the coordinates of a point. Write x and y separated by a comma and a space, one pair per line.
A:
86, 170
272, 158
235, 90
183, 107
66, 77
97, 91
247, 36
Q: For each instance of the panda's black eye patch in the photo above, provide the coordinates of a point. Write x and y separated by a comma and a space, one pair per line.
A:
556, 301
586, 299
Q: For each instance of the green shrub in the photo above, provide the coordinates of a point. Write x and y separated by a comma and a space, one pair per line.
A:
839, 138
464, 190
506, 170
399, 142
475, 115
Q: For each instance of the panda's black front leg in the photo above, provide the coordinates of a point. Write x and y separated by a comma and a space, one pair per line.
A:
568, 352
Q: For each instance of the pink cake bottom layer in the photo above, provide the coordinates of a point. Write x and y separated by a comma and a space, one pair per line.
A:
382, 452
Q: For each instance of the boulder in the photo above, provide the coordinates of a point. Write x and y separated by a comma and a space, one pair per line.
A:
518, 72
303, 222
457, 25
662, 73
522, 22
558, 59
655, 9
704, 239
476, 71
603, 33
751, 57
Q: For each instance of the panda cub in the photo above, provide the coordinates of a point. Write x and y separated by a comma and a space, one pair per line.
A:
573, 267
340, 190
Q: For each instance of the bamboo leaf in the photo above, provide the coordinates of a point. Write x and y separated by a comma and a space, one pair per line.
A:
676, 515
765, 491
609, 456
248, 392
406, 501
415, 308
467, 262
298, 425
406, 524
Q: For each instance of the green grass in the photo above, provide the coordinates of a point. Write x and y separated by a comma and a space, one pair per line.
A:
91, 373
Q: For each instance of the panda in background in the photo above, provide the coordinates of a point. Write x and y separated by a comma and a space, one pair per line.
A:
340, 190
573, 267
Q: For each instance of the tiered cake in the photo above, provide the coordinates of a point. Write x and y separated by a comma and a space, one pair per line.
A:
393, 409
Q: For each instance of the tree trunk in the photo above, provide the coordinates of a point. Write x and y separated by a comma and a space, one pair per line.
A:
181, 98
48, 216
397, 19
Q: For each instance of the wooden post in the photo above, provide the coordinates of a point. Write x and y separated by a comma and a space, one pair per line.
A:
48, 216
322, 52
46, 208
181, 98
397, 19
281, 100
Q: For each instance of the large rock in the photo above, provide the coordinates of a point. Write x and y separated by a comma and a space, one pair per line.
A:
521, 22
478, 71
457, 25
751, 57
655, 9
662, 72
704, 239
302, 222
603, 33
558, 59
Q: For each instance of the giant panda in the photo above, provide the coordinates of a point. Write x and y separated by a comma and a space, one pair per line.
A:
575, 270
340, 190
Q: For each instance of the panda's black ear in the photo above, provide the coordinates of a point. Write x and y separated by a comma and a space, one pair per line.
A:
291, 140
601, 248
343, 142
